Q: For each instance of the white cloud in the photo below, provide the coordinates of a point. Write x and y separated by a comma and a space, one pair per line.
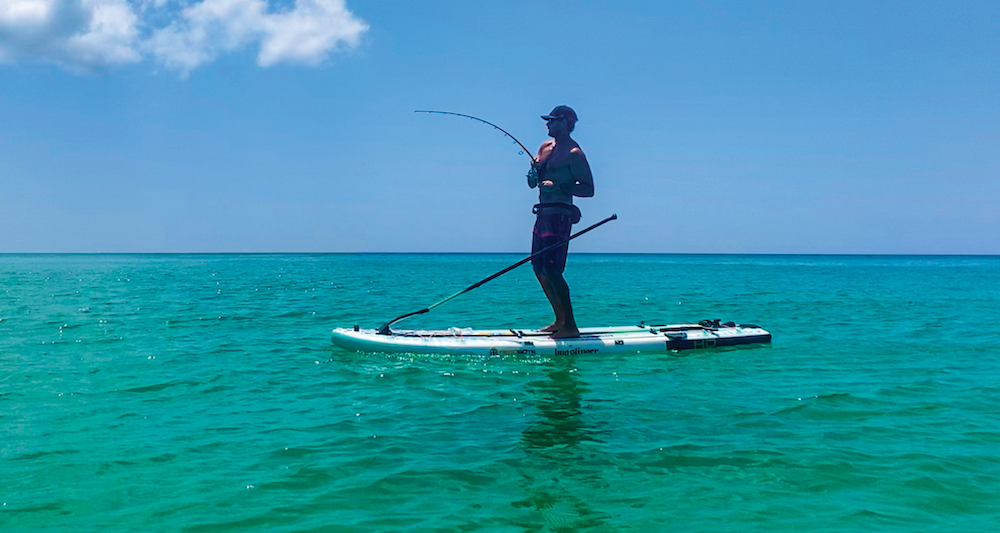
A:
111, 35
26, 12
74, 33
309, 33
179, 34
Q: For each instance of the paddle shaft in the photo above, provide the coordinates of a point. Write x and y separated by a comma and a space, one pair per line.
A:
384, 330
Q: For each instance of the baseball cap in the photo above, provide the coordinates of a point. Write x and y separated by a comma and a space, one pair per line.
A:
562, 111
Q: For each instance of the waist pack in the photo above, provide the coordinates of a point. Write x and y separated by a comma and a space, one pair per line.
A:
558, 208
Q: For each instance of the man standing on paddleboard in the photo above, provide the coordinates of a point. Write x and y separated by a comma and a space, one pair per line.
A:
560, 172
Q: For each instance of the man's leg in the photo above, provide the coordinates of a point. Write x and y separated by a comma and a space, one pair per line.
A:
563, 308
550, 293
548, 269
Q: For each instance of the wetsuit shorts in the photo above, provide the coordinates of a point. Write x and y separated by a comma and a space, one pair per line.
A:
551, 229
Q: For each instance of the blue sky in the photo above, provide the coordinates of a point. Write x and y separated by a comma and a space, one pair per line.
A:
288, 126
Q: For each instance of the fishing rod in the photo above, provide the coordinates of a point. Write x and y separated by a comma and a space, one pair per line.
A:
384, 330
526, 151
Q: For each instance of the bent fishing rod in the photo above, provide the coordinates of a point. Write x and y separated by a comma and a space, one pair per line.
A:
384, 330
526, 151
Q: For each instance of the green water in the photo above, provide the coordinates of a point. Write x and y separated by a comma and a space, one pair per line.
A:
201, 393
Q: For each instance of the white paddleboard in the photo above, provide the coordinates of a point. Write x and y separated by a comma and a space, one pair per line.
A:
602, 340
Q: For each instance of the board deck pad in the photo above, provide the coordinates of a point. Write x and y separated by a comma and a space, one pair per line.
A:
642, 338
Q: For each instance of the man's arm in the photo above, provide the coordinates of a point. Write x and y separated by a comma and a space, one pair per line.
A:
580, 170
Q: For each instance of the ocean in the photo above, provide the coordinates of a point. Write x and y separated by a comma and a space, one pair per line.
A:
201, 393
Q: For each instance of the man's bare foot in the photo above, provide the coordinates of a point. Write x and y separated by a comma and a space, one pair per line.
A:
551, 328
566, 333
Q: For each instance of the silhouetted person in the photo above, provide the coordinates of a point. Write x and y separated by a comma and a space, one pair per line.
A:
560, 173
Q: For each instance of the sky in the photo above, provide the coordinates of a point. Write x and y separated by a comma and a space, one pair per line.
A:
288, 125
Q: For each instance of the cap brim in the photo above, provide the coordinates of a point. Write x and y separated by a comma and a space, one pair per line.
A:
547, 117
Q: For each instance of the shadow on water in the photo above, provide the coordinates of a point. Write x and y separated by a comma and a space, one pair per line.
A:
562, 463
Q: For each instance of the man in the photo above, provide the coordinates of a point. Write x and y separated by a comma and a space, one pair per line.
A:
560, 172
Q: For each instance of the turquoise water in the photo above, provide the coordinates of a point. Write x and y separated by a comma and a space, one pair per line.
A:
200, 393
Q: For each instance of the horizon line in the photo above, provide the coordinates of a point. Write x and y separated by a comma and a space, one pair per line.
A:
827, 254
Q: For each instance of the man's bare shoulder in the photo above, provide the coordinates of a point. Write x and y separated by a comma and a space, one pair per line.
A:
545, 149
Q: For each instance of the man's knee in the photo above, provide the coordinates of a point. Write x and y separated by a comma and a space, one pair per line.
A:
548, 274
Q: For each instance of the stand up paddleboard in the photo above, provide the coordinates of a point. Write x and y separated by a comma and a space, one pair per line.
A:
606, 340
624, 339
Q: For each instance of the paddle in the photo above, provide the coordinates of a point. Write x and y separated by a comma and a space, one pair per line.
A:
384, 330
